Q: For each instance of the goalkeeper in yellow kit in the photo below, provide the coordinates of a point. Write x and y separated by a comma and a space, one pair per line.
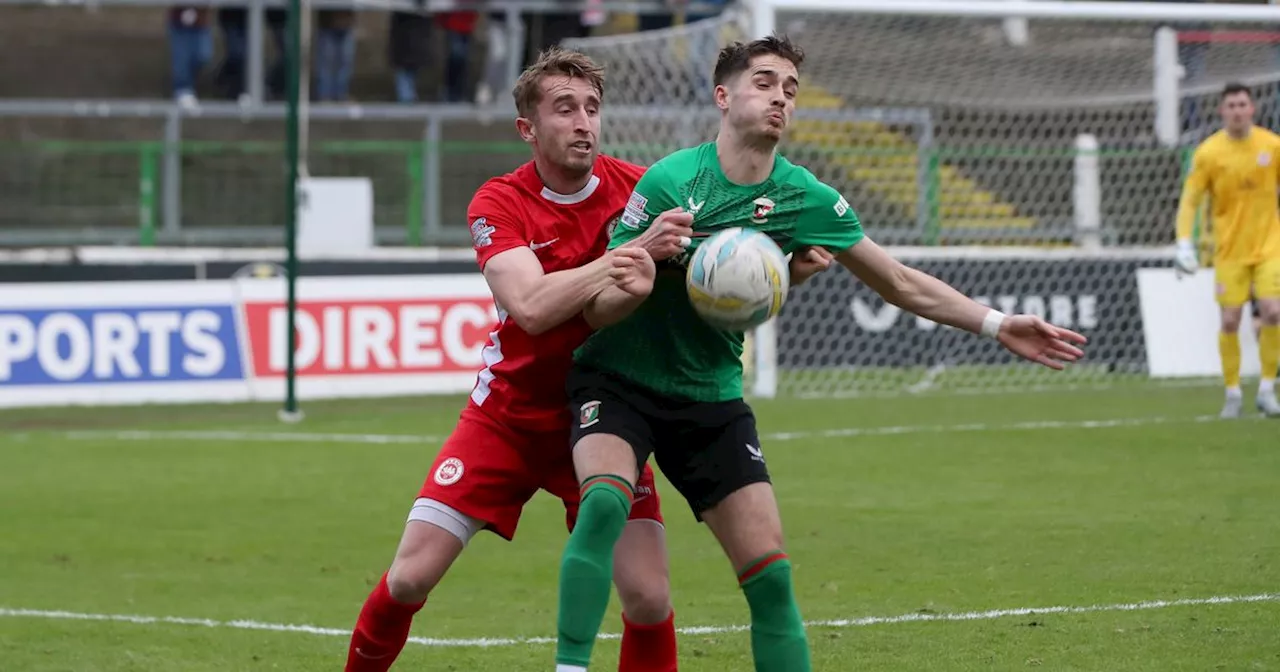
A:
1239, 169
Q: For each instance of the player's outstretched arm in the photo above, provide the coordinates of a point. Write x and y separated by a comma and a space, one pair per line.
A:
540, 301
1027, 336
632, 271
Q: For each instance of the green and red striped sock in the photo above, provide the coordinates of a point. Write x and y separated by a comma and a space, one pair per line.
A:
586, 569
778, 640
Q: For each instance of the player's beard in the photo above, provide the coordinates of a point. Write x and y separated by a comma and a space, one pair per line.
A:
576, 164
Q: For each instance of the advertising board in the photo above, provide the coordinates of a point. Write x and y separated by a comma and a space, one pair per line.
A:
145, 342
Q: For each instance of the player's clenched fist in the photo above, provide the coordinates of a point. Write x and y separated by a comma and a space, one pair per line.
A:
807, 262
669, 235
632, 270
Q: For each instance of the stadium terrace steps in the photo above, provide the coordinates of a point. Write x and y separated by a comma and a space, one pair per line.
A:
887, 164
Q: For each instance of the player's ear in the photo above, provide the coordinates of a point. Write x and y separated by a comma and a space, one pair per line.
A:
525, 128
721, 95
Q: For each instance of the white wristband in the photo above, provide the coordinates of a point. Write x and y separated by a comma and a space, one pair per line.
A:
991, 323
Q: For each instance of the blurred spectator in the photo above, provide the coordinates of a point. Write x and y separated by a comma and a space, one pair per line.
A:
190, 48
231, 77
410, 51
335, 54
498, 38
277, 21
458, 28
661, 20
549, 29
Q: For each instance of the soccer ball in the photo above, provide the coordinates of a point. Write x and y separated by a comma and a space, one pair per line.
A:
738, 279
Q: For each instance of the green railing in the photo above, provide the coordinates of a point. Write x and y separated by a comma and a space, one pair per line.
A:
232, 183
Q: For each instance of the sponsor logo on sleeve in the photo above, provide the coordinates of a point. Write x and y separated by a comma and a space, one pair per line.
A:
482, 233
633, 217
841, 207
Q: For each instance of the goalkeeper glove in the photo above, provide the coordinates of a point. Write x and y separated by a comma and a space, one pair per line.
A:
1185, 259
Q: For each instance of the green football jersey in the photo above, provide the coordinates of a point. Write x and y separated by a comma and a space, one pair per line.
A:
665, 346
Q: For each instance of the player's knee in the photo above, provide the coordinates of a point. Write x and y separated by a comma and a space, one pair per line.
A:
411, 580
603, 511
434, 537
647, 599
1230, 322
605, 454
1269, 312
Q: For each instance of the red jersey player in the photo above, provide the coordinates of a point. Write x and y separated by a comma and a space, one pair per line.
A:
540, 235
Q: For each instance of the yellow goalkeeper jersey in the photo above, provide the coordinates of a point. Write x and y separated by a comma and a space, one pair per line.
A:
1240, 177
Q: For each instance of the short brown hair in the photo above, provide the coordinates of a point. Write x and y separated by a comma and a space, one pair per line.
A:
736, 58
554, 62
1233, 88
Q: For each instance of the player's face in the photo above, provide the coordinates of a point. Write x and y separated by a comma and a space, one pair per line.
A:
761, 100
1237, 112
566, 129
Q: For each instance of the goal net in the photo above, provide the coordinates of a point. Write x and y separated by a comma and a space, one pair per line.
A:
948, 130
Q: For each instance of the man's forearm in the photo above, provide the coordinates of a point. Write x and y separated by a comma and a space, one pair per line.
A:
934, 299
1188, 209
556, 297
611, 306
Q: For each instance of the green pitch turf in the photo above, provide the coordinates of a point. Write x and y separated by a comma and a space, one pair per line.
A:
921, 507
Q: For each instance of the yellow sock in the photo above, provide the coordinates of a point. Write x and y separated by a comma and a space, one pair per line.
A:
1269, 350
1229, 349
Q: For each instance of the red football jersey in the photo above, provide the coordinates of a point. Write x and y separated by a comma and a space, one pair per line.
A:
522, 384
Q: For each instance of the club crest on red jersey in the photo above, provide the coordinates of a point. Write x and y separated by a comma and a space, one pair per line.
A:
449, 471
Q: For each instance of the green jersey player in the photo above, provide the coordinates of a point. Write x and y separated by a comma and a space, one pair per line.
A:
656, 379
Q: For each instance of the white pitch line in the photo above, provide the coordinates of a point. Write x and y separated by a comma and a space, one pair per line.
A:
383, 439
490, 642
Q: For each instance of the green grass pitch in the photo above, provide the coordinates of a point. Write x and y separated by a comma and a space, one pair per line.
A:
923, 507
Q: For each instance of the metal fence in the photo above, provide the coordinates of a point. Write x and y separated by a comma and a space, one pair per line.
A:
149, 173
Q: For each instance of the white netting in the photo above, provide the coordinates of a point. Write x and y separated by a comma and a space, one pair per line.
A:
995, 165
943, 130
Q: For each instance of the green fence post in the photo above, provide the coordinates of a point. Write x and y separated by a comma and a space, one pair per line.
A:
934, 232
148, 173
413, 217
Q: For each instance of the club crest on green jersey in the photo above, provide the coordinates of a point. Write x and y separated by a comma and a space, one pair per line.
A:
590, 414
764, 206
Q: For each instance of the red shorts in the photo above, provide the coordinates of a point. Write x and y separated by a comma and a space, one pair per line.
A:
489, 471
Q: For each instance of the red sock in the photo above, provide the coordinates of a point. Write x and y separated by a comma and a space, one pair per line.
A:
381, 631
648, 648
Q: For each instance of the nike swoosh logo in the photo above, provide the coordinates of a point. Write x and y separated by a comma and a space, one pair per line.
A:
539, 246
366, 656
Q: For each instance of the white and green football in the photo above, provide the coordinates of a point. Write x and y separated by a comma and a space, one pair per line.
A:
738, 279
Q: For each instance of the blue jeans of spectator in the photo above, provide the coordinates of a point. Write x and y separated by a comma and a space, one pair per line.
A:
458, 47
406, 85
190, 48
335, 54
231, 77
